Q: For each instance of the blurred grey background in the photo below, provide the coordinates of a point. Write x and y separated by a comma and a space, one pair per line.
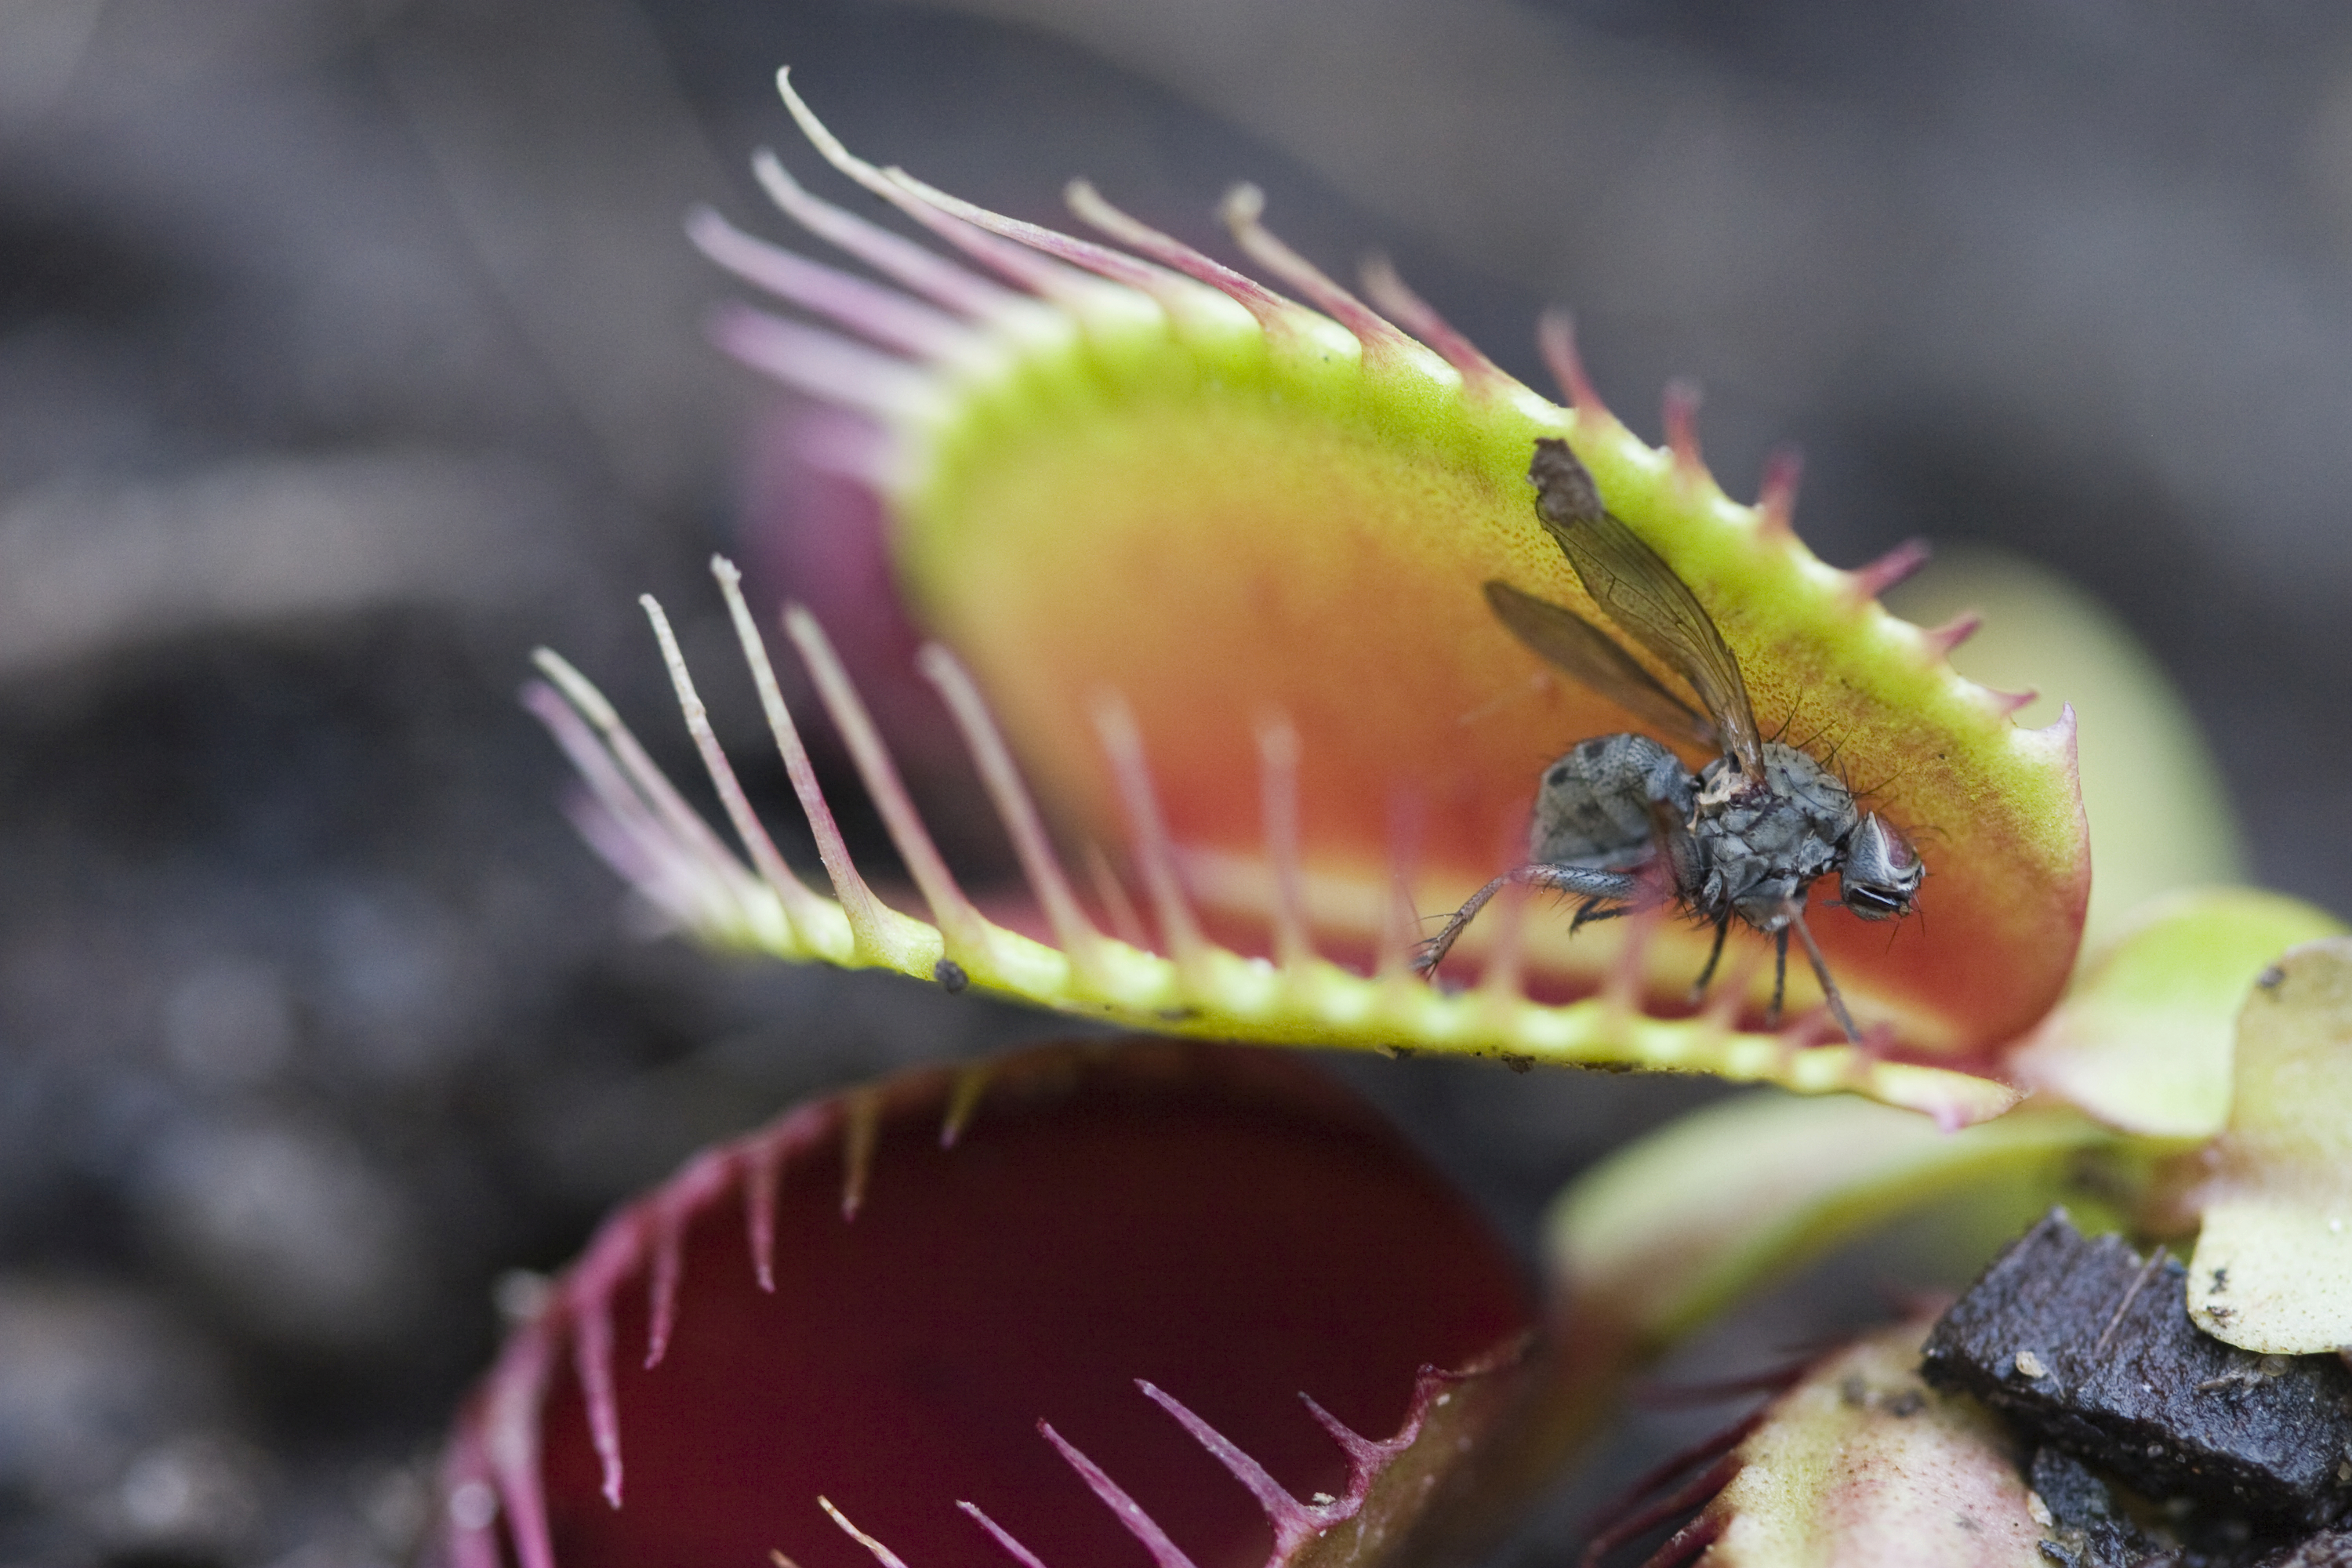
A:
348, 350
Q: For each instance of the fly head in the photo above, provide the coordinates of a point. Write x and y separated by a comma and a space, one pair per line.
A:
1881, 873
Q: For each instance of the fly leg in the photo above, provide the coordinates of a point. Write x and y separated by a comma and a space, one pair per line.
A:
1714, 957
1593, 887
1821, 973
1592, 909
1780, 976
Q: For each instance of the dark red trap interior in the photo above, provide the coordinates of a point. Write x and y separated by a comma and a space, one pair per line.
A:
1225, 1224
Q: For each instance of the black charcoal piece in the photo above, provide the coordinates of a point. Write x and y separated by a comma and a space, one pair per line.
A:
2085, 1345
2087, 1526
2328, 1549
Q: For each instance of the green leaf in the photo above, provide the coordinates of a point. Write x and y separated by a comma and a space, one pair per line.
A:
2273, 1270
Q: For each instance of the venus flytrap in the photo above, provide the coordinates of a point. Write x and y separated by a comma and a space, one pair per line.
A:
1203, 564
1213, 557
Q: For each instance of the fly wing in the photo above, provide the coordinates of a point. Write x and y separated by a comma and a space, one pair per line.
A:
1586, 652
1642, 594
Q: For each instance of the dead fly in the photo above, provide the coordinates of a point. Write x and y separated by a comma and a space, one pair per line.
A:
1622, 824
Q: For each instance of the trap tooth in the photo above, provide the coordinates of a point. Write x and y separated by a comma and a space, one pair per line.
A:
1556, 337
883, 315
825, 365
1050, 280
1941, 640
2057, 740
881, 1554
2007, 702
1696, 1492
1277, 751
925, 273
1041, 866
1181, 299
962, 930
1152, 849
661, 1317
1383, 342
762, 1170
1481, 376
1273, 314
1680, 412
1684, 1546
1145, 1530
861, 1113
1776, 495
997, 1533
963, 1101
592, 1363
1874, 579
1294, 1521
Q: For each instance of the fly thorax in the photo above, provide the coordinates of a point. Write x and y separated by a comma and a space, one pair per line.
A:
1809, 785
1721, 784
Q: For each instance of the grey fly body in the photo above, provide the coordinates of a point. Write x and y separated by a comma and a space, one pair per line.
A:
1622, 824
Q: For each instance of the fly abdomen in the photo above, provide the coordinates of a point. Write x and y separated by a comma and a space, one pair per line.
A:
1595, 808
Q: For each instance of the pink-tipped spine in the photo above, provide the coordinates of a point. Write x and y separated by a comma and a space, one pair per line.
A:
1629, 970
1691, 1494
858, 903
1680, 412
2007, 702
1277, 754
1033, 273
1400, 920
1293, 1521
884, 315
881, 1553
1140, 1525
1126, 920
1244, 206
1154, 850
963, 1101
511, 1438
1894, 566
1943, 639
997, 1533
1776, 496
1016, 808
620, 826
1170, 288
680, 822
861, 1110
662, 1282
738, 805
822, 364
696, 1187
1039, 270
592, 1362
958, 920
1275, 314
1365, 1456
1481, 376
1556, 337
925, 272
762, 1171
1684, 1546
